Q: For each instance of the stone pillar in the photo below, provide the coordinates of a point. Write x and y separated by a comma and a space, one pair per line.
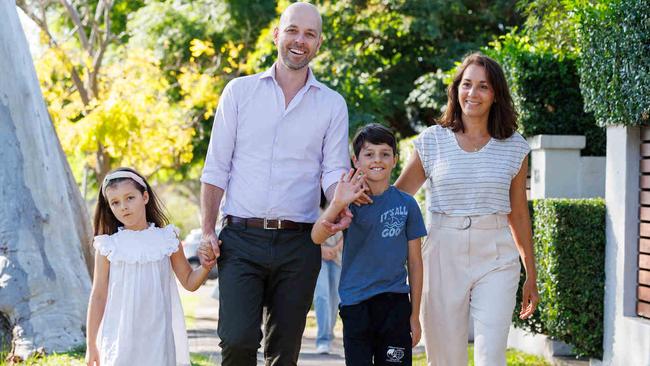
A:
627, 336
555, 162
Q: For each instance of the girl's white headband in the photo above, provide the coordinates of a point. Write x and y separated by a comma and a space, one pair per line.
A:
121, 174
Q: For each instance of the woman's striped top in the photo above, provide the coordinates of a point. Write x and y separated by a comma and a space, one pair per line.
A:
465, 183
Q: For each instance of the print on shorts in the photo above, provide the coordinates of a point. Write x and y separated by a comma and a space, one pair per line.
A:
394, 354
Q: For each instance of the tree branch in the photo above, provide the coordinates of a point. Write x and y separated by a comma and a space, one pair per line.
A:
74, 16
25, 9
41, 22
99, 54
98, 14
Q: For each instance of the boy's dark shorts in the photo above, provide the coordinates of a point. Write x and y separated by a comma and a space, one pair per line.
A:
377, 331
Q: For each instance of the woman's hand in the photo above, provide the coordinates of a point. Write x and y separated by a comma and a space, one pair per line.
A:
529, 299
416, 330
92, 355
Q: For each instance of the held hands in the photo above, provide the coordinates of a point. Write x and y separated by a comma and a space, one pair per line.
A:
209, 250
529, 299
416, 330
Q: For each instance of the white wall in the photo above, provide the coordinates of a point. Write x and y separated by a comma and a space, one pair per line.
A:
591, 176
627, 337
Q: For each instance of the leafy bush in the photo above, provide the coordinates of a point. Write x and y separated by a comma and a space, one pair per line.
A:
545, 86
569, 241
615, 69
428, 99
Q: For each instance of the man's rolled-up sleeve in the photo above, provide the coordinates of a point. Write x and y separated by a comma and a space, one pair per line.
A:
218, 159
336, 158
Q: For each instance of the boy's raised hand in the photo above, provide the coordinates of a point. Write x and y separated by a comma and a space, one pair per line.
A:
349, 188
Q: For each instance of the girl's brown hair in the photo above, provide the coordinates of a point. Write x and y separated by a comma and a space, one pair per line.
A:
502, 121
105, 222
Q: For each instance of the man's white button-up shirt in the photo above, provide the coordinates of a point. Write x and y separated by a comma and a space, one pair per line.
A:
271, 160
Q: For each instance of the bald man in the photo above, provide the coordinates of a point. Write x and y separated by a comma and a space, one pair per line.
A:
278, 138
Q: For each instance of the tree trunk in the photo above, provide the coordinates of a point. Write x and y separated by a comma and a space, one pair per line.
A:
44, 227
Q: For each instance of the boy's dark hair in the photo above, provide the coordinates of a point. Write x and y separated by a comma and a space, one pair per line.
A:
375, 134
105, 222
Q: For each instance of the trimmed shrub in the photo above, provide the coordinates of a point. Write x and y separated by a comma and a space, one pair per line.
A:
615, 68
569, 241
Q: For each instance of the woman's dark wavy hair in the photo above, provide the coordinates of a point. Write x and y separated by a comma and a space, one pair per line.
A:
502, 121
105, 222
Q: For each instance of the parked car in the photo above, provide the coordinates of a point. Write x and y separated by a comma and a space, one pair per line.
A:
191, 248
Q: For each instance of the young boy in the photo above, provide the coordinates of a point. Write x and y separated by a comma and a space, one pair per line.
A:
380, 326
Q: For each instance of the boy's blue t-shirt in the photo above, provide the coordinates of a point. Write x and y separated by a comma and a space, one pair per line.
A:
375, 246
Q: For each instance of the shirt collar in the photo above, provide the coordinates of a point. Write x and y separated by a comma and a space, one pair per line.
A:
311, 79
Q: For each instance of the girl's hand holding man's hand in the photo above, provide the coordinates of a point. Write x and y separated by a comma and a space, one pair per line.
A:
206, 252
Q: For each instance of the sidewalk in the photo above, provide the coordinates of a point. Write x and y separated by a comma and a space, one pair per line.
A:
201, 317
202, 311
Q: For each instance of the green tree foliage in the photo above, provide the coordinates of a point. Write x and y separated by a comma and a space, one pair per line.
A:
200, 45
553, 23
80, 35
428, 99
138, 82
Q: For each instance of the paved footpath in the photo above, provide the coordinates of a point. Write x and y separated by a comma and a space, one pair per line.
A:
201, 316
202, 310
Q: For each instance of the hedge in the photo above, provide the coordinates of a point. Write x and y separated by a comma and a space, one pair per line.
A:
569, 242
545, 87
615, 67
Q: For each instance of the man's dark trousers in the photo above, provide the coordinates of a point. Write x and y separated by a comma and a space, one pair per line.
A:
272, 269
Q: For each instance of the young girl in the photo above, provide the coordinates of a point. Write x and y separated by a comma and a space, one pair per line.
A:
135, 315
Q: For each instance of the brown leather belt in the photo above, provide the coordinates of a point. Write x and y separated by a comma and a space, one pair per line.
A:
267, 224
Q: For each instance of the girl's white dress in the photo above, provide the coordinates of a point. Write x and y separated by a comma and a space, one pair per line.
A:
143, 321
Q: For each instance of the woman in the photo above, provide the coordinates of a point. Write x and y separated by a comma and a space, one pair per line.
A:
475, 164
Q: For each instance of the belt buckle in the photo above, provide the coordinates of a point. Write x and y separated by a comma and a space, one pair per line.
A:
469, 218
267, 227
